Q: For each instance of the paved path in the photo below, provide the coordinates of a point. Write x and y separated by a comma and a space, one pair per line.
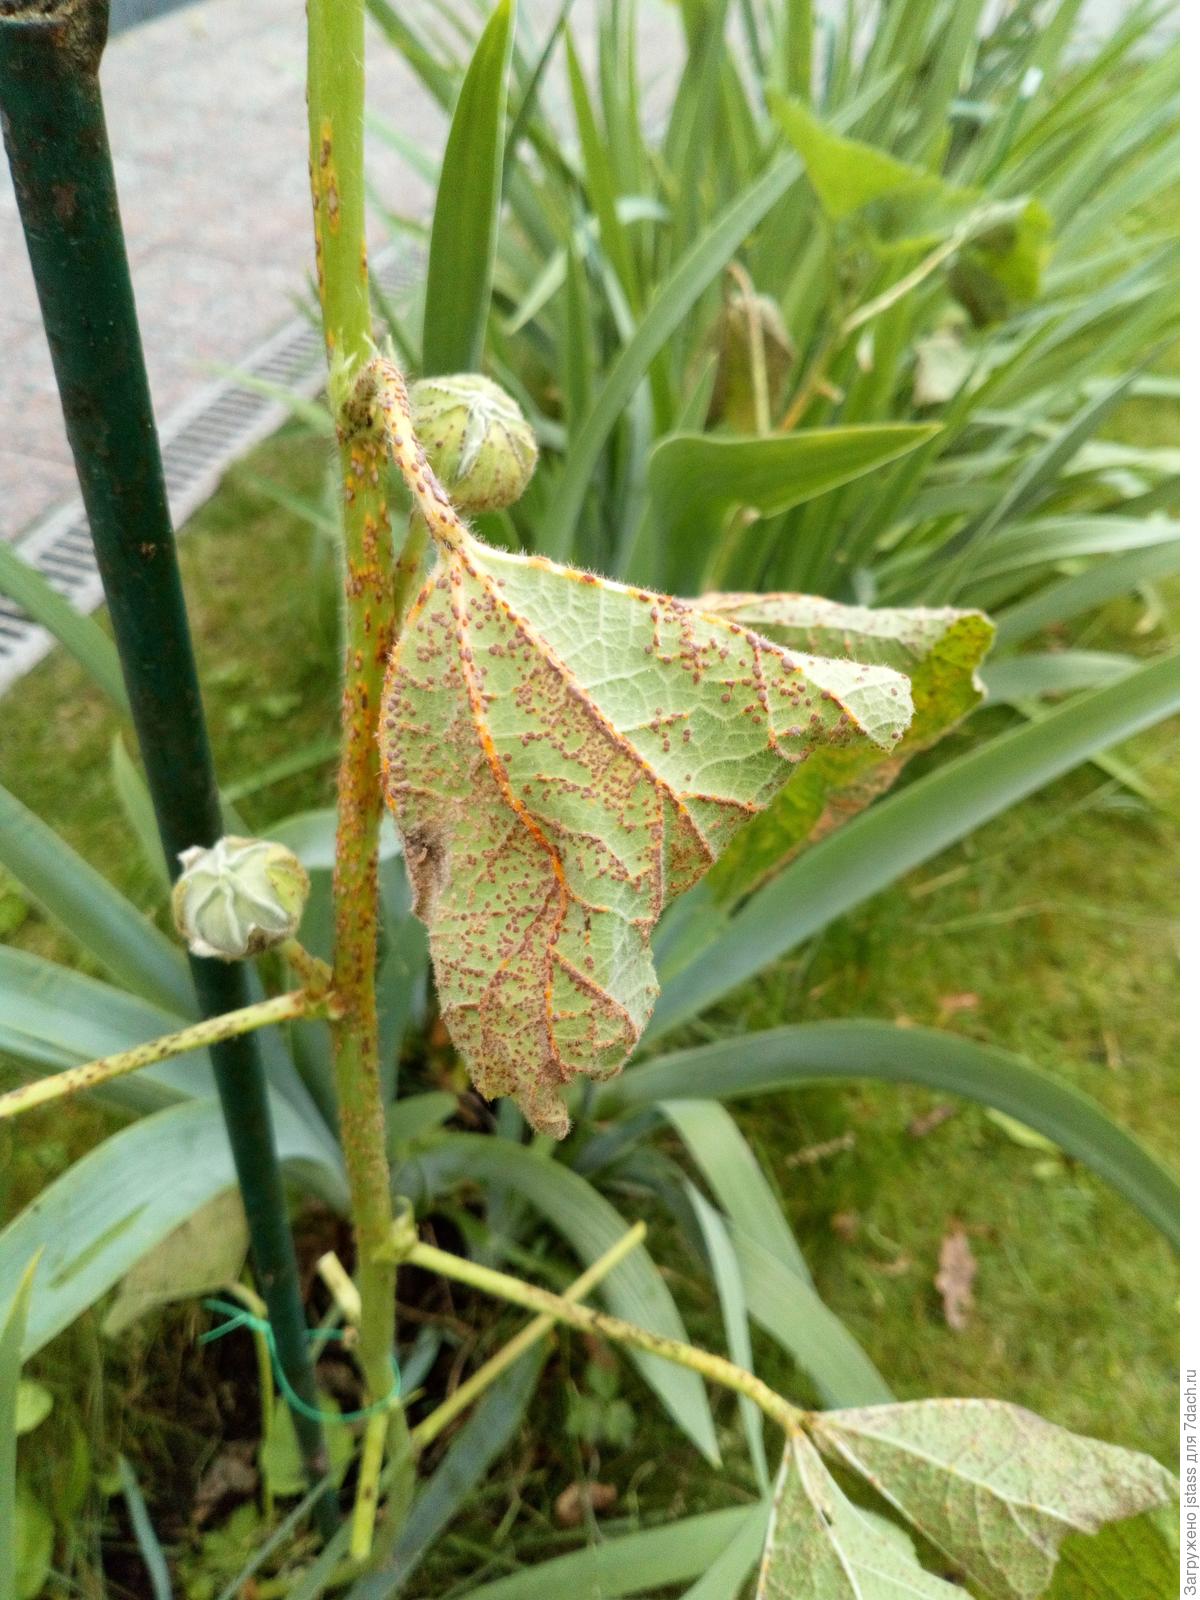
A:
207, 124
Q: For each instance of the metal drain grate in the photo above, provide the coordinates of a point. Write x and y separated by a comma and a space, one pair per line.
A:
199, 443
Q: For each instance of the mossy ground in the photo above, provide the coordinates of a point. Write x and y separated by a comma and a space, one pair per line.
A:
1051, 932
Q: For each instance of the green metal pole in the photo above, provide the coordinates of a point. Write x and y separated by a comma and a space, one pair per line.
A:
57, 143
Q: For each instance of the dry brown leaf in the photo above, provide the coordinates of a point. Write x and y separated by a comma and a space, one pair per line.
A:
846, 1225
955, 1276
569, 1506
821, 1152
929, 1120
950, 1005
893, 1269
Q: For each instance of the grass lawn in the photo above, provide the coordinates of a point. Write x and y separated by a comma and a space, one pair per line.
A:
1051, 932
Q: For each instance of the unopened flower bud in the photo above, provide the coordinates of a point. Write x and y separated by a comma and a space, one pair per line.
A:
477, 440
238, 898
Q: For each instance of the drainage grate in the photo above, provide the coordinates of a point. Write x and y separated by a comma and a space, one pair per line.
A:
199, 442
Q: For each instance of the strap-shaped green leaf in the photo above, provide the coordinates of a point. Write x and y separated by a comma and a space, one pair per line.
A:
818, 1052
564, 755
91, 910
466, 217
82, 636
632, 1563
12, 1339
994, 1486
695, 480
108, 1209
939, 650
820, 1546
575, 1209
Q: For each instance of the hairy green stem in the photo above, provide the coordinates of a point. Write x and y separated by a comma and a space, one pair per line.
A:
283, 1008
315, 974
408, 1248
335, 107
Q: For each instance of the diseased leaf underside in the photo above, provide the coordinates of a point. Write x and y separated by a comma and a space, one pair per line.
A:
994, 1486
821, 1546
563, 755
939, 650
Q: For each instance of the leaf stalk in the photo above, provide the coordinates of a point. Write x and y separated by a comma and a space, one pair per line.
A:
289, 1007
407, 1247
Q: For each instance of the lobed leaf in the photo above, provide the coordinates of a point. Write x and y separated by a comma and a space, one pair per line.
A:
563, 755
846, 174
939, 651
992, 1485
844, 868
821, 1546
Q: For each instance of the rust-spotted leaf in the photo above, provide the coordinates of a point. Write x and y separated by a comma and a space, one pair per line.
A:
563, 755
938, 650
821, 1546
992, 1485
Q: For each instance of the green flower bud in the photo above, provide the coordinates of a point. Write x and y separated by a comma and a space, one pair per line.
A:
477, 441
239, 898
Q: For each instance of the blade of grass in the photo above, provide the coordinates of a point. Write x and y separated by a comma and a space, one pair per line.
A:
466, 217
684, 285
12, 1340
91, 911
80, 636
816, 1052
143, 1532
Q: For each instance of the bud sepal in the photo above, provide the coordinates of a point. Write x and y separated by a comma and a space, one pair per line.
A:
238, 898
476, 440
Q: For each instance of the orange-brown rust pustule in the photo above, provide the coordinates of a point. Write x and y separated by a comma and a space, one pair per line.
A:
563, 755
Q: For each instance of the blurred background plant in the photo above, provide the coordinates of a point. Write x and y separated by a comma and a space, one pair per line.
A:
877, 310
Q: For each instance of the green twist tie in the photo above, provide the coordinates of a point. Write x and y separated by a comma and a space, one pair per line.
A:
240, 1317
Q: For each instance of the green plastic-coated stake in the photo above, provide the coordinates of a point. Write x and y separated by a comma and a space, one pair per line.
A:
57, 143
